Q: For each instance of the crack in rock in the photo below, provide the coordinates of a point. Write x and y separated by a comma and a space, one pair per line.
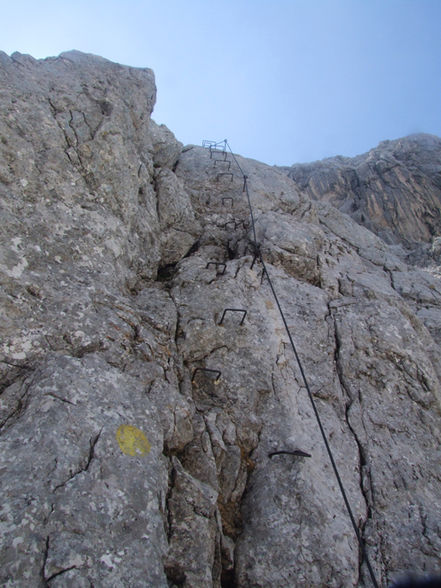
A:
84, 468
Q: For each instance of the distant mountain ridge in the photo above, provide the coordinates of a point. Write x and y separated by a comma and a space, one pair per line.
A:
394, 190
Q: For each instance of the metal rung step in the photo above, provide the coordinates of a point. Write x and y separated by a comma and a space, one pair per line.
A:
222, 161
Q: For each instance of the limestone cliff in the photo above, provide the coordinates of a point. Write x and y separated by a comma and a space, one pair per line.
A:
123, 462
394, 190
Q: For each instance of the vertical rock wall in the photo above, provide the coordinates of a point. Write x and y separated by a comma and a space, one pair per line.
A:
124, 462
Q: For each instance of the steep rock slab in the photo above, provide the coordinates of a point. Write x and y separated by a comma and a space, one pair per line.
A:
352, 266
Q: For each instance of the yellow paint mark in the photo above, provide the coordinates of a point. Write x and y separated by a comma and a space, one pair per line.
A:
132, 441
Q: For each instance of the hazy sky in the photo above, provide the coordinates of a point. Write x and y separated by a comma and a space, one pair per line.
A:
284, 80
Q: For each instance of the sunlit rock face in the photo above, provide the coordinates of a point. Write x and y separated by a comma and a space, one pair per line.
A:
123, 461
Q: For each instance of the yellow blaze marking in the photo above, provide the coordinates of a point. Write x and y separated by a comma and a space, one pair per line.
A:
132, 441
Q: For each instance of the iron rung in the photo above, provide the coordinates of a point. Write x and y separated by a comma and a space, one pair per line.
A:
217, 265
243, 311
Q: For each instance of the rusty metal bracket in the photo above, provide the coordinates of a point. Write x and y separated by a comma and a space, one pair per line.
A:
227, 198
233, 310
296, 452
245, 178
207, 370
217, 264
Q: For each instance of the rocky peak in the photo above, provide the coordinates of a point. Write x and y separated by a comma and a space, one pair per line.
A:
394, 190
155, 429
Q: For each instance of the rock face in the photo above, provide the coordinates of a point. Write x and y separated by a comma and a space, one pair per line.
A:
137, 418
394, 190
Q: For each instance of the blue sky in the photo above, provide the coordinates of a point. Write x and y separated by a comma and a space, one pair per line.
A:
284, 80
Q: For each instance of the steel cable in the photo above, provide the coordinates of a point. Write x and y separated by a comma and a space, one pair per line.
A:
258, 254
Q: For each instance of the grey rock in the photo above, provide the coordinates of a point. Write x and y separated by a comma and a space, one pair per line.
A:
65, 469
137, 416
178, 225
164, 146
394, 190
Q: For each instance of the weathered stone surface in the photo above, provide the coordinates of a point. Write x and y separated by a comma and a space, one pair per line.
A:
60, 447
179, 228
124, 462
394, 190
